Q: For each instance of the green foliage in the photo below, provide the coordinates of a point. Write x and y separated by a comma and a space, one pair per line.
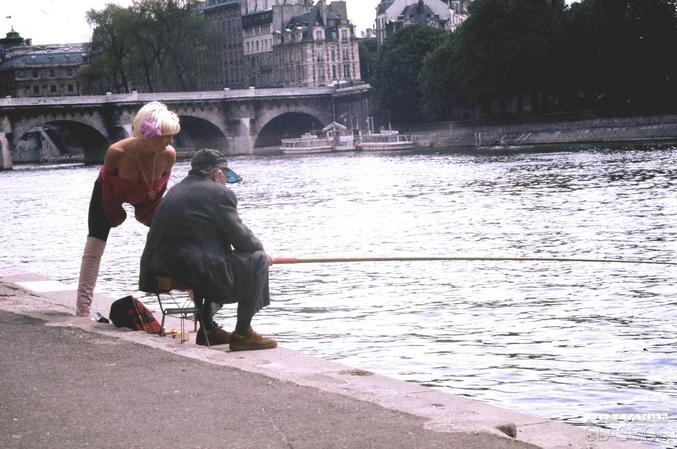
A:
508, 49
395, 73
152, 46
368, 49
438, 79
512, 57
622, 53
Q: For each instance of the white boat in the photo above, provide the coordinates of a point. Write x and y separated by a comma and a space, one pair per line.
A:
386, 140
307, 143
343, 138
336, 137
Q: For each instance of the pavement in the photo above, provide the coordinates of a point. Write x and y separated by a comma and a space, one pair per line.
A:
68, 382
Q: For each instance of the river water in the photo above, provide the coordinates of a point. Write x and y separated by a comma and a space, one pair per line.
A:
559, 340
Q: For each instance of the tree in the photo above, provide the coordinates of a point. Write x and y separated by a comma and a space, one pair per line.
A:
153, 46
368, 49
622, 52
395, 73
108, 66
508, 50
439, 81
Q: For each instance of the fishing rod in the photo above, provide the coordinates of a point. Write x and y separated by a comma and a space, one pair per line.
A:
296, 260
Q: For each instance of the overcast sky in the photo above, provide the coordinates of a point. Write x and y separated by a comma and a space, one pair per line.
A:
61, 22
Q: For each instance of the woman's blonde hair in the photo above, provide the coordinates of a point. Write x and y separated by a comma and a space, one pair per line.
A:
154, 119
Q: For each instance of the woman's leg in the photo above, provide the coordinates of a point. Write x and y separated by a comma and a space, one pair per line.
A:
99, 228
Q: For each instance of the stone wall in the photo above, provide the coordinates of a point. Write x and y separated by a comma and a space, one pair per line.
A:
582, 131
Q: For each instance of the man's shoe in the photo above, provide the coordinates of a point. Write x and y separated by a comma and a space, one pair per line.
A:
216, 337
250, 342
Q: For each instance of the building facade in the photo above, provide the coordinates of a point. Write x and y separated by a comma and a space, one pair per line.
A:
261, 21
39, 71
257, 29
393, 15
318, 48
225, 16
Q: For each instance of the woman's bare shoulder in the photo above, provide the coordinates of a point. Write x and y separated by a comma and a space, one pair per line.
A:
123, 146
169, 154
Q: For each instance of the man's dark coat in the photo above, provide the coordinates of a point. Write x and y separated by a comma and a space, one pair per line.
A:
192, 237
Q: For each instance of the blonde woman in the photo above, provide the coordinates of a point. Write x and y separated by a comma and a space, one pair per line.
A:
135, 171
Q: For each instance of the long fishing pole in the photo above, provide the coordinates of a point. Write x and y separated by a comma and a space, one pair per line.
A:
296, 260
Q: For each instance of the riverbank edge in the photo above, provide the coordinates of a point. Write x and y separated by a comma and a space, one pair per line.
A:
31, 294
580, 133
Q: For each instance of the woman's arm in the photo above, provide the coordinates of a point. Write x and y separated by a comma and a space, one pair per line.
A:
113, 157
170, 158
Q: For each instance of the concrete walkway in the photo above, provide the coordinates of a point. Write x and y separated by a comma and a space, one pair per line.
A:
69, 382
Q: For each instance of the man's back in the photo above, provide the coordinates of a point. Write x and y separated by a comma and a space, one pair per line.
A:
192, 235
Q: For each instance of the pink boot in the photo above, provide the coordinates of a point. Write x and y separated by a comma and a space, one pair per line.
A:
89, 271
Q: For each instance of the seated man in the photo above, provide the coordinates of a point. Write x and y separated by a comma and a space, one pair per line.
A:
197, 238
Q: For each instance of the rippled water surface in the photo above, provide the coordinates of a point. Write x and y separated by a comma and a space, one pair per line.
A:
560, 340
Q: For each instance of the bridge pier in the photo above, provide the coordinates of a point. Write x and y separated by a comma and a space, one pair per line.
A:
6, 156
241, 140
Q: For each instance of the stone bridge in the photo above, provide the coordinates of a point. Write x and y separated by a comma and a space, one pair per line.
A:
247, 121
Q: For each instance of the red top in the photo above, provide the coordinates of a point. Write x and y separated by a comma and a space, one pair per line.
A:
116, 191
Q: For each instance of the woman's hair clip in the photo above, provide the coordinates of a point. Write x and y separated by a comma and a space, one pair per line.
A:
150, 128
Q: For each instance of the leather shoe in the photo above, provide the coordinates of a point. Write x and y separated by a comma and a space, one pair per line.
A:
250, 342
216, 337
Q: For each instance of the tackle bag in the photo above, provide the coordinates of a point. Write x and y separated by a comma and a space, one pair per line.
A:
129, 312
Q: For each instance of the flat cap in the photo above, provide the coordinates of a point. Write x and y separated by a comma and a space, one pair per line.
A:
207, 158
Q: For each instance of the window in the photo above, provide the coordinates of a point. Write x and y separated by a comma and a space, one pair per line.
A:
70, 88
333, 72
52, 73
52, 88
346, 71
36, 89
346, 54
35, 73
344, 35
69, 71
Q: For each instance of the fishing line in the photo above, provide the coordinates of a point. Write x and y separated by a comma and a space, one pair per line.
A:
319, 260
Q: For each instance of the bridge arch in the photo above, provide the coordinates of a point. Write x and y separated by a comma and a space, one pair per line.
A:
198, 132
58, 139
268, 136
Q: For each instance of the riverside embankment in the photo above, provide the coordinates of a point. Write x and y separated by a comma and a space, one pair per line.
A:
69, 382
571, 131
575, 131
561, 341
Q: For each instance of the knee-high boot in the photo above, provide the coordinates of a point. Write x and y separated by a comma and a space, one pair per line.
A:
89, 271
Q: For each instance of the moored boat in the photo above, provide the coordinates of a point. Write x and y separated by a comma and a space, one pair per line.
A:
342, 138
386, 140
335, 137
307, 143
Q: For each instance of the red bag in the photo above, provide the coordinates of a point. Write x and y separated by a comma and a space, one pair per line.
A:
129, 312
